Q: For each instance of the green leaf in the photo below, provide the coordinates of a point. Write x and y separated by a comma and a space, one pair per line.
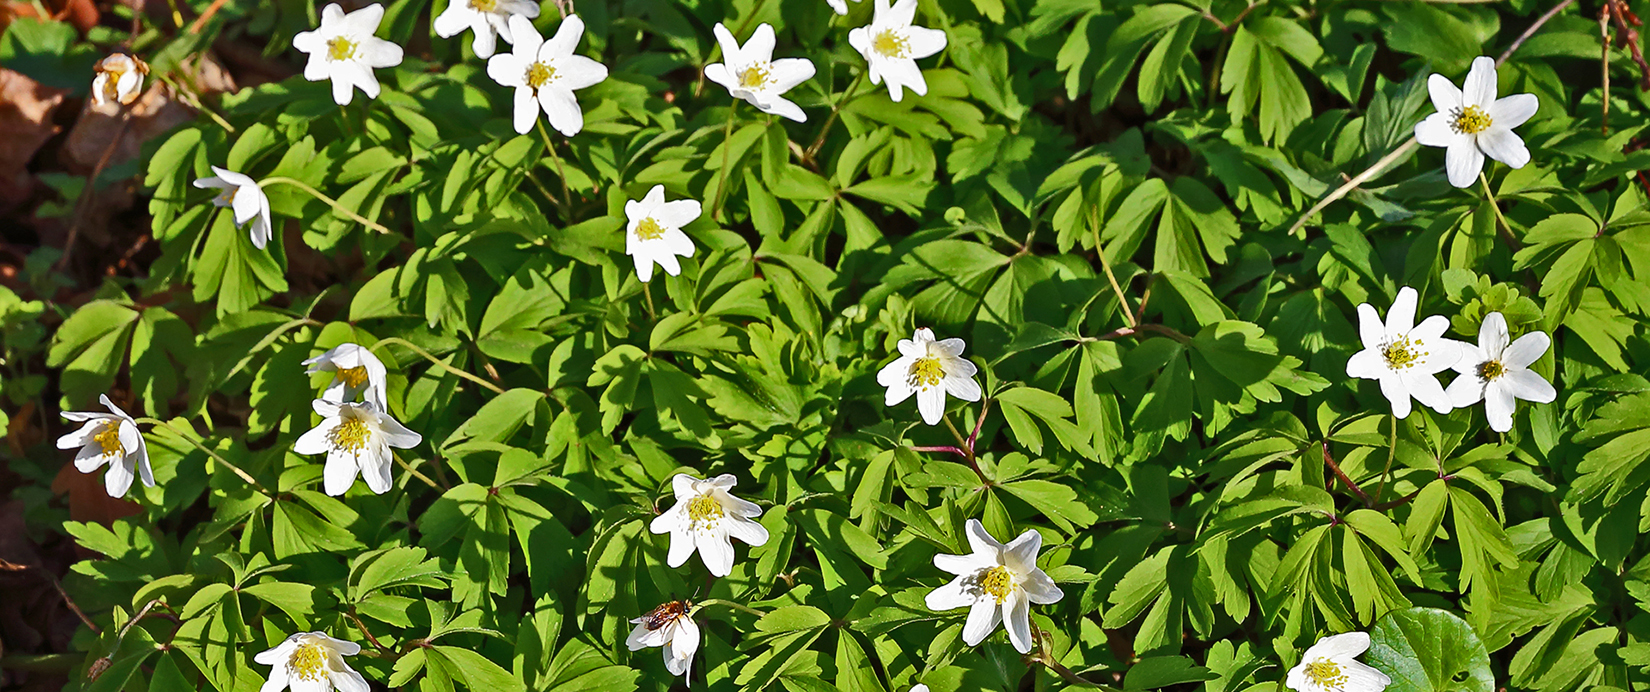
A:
1429, 650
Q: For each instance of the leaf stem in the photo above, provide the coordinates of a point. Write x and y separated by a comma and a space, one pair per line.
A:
1342, 475
555, 159
730, 604
727, 151
1504, 228
215, 456
346, 211
1100, 250
436, 361
1391, 451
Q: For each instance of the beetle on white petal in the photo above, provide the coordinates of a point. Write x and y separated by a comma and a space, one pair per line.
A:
359, 373
892, 45
245, 198
489, 19
312, 662
544, 75
749, 72
1498, 372
997, 583
654, 233
671, 627
1331, 666
356, 439
109, 438
343, 49
929, 369
1472, 123
1403, 356
703, 520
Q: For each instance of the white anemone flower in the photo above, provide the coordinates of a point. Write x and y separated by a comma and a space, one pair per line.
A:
929, 369
545, 74
669, 626
654, 235
356, 439
998, 583
344, 50
892, 45
1498, 373
704, 518
489, 19
841, 8
242, 195
1331, 666
1472, 124
749, 72
919, 688
109, 438
1403, 356
359, 373
119, 78
312, 662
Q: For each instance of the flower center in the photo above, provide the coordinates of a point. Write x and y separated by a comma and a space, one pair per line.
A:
667, 613
540, 74
227, 197
1402, 353
756, 76
1326, 674
925, 373
704, 509
353, 377
1489, 370
998, 582
340, 48
1470, 120
307, 662
350, 436
648, 229
109, 439
484, 5
890, 44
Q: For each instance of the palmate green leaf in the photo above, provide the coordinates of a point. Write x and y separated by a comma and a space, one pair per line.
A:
1429, 650
1256, 74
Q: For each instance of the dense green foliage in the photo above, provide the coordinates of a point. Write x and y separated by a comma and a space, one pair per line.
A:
1100, 197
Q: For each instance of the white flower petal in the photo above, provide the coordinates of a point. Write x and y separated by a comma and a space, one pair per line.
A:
1017, 620
1436, 130
1503, 145
1479, 89
982, 619
1515, 110
1462, 161
1392, 387
954, 594
1529, 386
1498, 406
1526, 350
1465, 391
1445, 96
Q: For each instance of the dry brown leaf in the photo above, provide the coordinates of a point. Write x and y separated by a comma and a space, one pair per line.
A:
26, 117
88, 500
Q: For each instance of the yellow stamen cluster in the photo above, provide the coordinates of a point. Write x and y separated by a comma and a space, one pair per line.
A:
350, 436
109, 439
704, 509
1489, 370
755, 76
648, 229
484, 5
308, 662
540, 74
1326, 674
998, 582
353, 377
891, 44
227, 197
925, 373
1402, 353
341, 48
1470, 120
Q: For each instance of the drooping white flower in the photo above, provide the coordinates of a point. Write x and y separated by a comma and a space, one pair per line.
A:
359, 373
1498, 373
751, 73
892, 45
669, 626
109, 438
704, 518
1403, 356
119, 78
356, 439
929, 369
841, 8
998, 583
1331, 666
1474, 123
919, 687
489, 19
545, 74
654, 235
243, 195
345, 51
312, 662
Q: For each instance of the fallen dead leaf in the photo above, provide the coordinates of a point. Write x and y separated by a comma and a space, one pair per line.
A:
88, 501
26, 117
